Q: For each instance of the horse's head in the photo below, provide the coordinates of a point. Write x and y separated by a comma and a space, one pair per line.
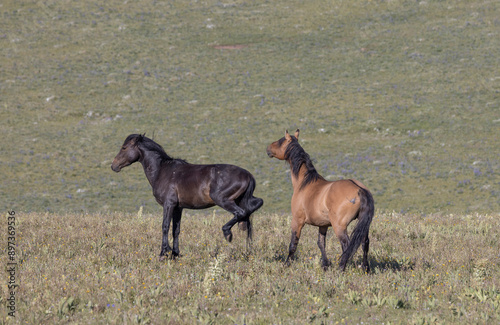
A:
129, 153
277, 149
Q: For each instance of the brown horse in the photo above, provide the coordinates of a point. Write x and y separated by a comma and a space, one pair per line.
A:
321, 203
179, 185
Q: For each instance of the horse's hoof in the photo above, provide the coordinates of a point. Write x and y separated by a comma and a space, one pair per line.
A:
229, 237
162, 258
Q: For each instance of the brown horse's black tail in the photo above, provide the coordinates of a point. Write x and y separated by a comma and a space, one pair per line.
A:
360, 232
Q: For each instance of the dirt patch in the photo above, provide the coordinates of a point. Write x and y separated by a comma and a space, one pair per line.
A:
230, 47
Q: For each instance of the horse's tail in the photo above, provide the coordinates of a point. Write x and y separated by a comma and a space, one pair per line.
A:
360, 232
250, 204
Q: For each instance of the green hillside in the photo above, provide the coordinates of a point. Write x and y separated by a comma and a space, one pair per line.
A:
402, 95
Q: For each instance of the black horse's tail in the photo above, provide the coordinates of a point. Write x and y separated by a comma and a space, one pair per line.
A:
250, 204
360, 232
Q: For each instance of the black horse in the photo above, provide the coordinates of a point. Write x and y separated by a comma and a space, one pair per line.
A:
177, 185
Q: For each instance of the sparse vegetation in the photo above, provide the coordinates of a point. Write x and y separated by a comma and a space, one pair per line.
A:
103, 268
402, 95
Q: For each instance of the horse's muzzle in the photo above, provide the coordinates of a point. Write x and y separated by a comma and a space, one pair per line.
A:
115, 168
269, 153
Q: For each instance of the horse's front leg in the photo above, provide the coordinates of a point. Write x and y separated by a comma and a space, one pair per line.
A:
297, 225
176, 229
167, 218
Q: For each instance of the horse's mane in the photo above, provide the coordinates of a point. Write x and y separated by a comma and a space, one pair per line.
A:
149, 145
297, 157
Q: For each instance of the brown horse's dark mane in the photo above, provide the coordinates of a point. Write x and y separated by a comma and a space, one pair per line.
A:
297, 157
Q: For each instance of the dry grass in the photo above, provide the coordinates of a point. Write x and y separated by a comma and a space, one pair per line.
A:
103, 268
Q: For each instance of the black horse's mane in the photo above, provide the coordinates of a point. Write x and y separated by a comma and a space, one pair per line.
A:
150, 145
297, 157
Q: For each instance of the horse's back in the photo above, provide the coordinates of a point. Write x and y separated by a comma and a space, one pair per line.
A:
210, 170
342, 191
322, 190
347, 186
358, 183
232, 169
326, 203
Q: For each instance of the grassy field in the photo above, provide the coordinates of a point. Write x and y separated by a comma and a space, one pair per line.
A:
104, 269
402, 95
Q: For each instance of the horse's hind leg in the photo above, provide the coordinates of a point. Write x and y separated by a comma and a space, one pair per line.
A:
239, 215
322, 246
254, 203
250, 206
248, 224
366, 247
341, 233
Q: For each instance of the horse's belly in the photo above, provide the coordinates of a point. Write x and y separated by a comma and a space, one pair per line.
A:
197, 206
318, 218
190, 201
194, 195
319, 223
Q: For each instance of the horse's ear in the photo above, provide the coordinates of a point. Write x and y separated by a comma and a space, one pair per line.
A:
138, 138
287, 135
297, 134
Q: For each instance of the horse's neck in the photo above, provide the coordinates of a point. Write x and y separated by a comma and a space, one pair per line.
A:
297, 180
151, 164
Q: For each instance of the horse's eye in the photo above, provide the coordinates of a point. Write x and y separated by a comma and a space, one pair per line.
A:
123, 148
